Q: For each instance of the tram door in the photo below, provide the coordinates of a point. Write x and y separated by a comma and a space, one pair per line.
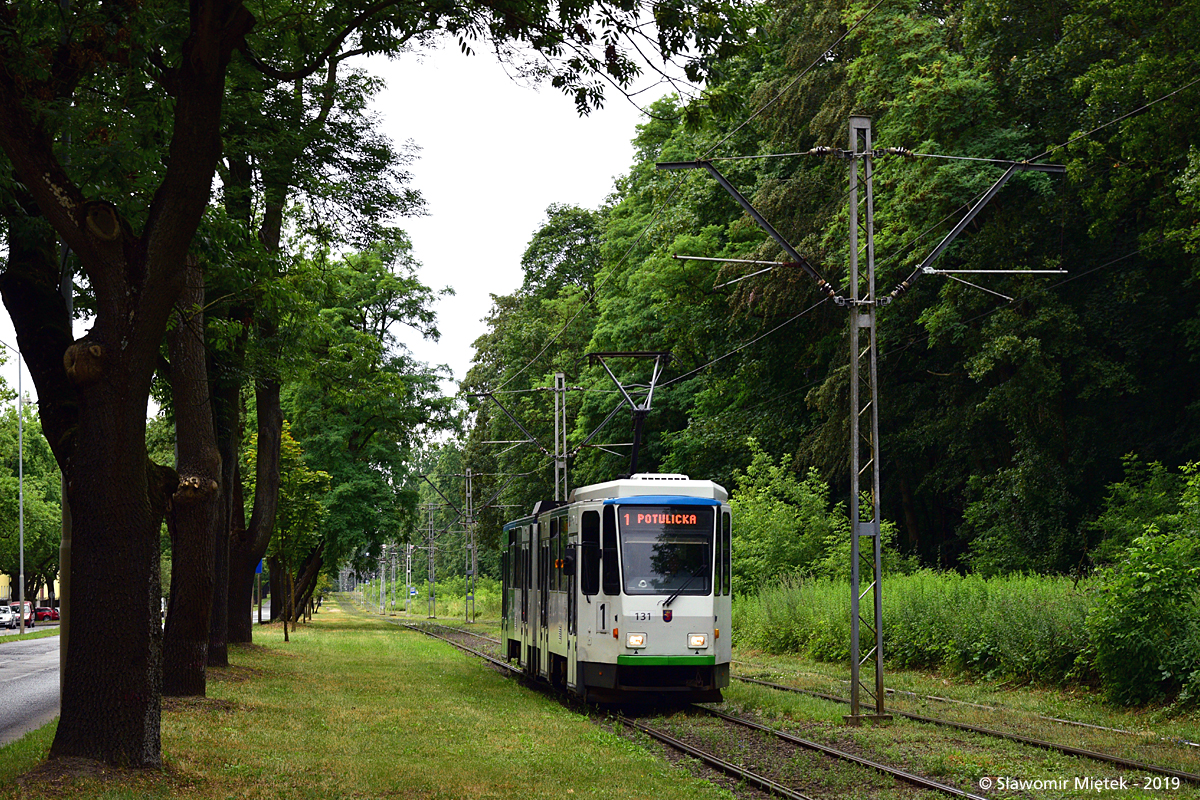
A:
525, 581
543, 594
572, 587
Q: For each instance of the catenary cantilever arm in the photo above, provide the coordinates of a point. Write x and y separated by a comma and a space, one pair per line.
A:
804, 263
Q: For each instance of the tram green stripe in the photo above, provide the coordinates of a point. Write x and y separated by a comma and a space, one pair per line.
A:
667, 661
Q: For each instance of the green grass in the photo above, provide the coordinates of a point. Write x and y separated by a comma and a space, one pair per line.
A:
35, 634
354, 707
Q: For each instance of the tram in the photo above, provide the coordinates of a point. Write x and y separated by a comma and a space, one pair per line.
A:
621, 594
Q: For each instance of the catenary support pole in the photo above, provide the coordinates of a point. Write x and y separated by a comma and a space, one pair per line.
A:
432, 591
469, 539
560, 436
864, 444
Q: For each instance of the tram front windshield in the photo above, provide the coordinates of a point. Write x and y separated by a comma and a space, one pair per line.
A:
666, 549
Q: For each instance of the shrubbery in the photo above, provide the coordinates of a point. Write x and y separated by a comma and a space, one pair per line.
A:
787, 526
1144, 628
450, 598
1134, 626
1023, 627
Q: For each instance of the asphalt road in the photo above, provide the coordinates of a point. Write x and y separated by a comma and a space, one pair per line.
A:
29, 681
28, 686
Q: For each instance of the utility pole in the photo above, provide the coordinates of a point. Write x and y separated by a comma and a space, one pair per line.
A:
560, 436
864, 439
382, 578
432, 590
472, 561
408, 580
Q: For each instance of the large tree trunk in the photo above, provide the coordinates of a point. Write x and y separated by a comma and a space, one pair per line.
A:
227, 411
194, 515
307, 581
248, 548
112, 675
278, 588
228, 624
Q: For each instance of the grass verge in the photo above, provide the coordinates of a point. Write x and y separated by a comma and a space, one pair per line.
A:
354, 707
35, 634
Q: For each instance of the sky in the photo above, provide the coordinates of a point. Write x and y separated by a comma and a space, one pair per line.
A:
494, 155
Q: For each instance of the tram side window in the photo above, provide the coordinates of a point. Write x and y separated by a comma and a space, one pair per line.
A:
719, 565
552, 564
589, 576
612, 573
726, 553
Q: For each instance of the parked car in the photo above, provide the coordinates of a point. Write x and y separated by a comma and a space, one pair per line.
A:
45, 612
7, 618
29, 618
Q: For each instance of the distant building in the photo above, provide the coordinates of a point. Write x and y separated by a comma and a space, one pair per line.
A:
8, 592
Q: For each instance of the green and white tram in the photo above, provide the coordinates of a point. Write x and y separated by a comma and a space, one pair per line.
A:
622, 594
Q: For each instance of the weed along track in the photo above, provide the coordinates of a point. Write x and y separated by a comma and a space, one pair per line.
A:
1070, 750
791, 754
774, 765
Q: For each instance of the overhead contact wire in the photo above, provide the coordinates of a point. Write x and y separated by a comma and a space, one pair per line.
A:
599, 285
794, 81
743, 346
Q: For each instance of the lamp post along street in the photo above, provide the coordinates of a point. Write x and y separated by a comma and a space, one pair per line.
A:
21, 492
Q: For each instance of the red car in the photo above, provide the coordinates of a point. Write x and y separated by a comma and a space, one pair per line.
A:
43, 613
16, 609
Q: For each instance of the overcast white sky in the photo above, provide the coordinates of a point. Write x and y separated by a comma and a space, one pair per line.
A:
494, 155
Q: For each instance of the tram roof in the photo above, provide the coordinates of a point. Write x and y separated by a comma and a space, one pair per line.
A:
653, 488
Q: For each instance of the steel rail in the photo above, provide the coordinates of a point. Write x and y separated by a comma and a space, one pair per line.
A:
485, 656
460, 630
716, 762
908, 777
1066, 749
712, 760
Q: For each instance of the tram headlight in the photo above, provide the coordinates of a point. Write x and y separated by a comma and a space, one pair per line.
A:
635, 641
697, 641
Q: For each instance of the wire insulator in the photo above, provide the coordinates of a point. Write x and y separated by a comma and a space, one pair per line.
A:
824, 286
823, 151
895, 151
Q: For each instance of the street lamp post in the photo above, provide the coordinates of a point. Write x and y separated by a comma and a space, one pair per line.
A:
21, 492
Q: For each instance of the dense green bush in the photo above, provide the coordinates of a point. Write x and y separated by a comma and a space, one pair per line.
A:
1023, 627
786, 526
450, 592
1144, 632
1145, 636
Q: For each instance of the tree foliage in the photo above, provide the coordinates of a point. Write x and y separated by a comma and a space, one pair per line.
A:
1002, 422
42, 503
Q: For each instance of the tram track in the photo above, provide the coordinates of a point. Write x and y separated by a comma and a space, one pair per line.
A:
767, 784
1065, 749
739, 773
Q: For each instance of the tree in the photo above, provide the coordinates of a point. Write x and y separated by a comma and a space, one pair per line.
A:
361, 404
130, 231
301, 513
42, 503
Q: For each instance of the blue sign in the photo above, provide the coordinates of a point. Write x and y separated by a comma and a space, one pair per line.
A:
412, 592
258, 570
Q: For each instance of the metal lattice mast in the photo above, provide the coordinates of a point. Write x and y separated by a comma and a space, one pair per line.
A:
408, 579
864, 445
560, 436
432, 590
471, 560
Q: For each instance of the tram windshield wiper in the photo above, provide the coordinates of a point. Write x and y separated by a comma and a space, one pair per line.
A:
700, 571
